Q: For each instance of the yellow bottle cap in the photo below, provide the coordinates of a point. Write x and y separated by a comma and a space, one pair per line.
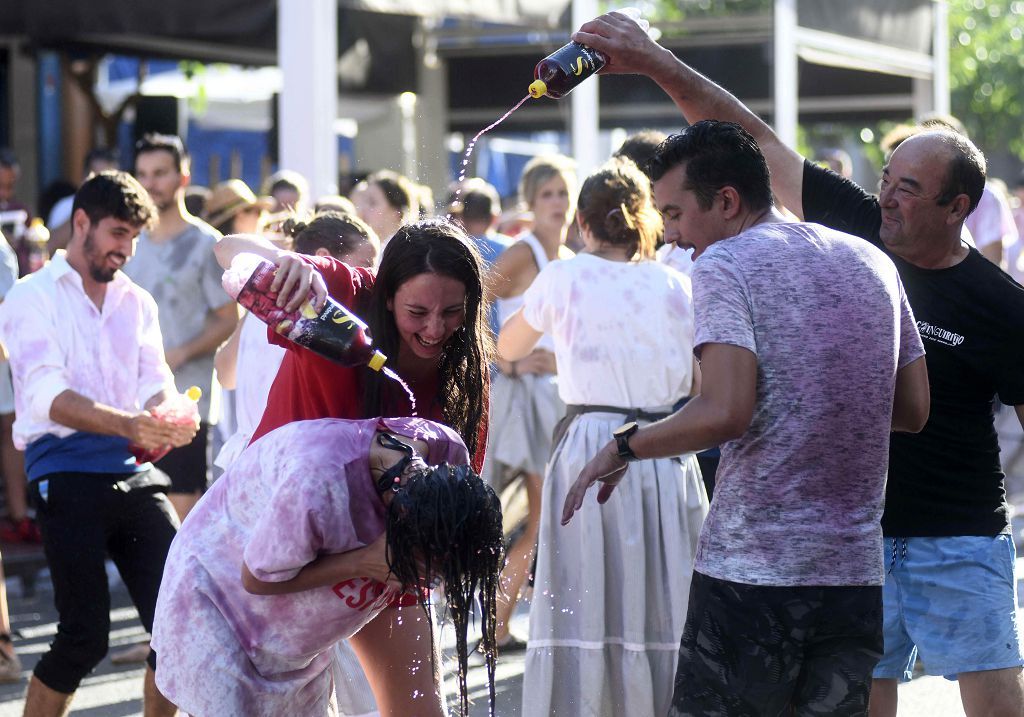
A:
376, 361
538, 89
194, 393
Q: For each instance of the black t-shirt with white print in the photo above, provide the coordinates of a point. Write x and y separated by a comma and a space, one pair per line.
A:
945, 480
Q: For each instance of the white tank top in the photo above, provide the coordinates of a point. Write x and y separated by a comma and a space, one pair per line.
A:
507, 307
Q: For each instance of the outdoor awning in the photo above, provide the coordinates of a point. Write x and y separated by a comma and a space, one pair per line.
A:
239, 31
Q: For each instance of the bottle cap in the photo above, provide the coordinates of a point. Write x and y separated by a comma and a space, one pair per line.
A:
194, 393
376, 361
538, 89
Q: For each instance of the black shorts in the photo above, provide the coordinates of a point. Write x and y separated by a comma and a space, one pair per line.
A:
757, 650
187, 466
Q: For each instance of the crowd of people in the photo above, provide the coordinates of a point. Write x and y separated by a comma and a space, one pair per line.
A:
297, 537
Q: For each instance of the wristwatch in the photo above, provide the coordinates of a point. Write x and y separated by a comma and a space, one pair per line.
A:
622, 435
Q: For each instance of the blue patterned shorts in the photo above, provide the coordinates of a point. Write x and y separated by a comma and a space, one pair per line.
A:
953, 600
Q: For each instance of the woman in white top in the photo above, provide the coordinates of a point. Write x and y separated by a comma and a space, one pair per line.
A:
611, 589
524, 394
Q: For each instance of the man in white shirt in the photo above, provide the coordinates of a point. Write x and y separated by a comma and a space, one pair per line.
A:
88, 364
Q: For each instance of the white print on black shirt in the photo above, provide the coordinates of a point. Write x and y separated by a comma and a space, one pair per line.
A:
943, 336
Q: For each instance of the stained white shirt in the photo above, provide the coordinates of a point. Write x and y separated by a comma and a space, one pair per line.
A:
59, 340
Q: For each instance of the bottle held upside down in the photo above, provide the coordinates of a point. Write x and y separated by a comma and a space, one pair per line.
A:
558, 73
334, 332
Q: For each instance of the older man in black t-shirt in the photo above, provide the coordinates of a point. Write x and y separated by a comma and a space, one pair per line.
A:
950, 558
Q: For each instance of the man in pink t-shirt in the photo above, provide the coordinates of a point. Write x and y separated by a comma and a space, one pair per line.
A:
803, 378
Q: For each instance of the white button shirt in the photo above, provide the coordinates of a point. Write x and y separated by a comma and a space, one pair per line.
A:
58, 340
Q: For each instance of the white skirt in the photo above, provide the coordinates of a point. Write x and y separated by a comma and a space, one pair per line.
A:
355, 698
611, 589
523, 413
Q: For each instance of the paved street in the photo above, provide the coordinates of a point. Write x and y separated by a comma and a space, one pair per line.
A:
116, 691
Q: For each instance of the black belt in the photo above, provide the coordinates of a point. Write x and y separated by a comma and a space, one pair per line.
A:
578, 409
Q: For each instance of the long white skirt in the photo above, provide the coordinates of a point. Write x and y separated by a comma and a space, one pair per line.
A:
611, 589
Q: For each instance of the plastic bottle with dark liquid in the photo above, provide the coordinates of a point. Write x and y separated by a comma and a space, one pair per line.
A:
334, 332
558, 73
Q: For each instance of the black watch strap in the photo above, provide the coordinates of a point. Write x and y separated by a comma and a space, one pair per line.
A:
622, 436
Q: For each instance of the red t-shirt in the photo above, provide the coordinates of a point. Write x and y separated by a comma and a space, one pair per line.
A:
309, 386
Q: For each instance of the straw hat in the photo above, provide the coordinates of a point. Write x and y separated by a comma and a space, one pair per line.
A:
229, 198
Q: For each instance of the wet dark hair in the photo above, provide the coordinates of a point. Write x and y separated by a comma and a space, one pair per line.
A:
615, 205
170, 143
717, 154
446, 522
434, 246
117, 194
340, 234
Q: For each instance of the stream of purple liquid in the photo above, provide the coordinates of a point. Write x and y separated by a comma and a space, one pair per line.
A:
405, 387
476, 138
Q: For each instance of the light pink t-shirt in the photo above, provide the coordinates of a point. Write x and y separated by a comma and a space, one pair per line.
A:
301, 491
798, 498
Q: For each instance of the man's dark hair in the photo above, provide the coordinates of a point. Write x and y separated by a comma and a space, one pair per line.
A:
9, 159
170, 143
102, 154
717, 154
641, 146
965, 172
114, 194
476, 200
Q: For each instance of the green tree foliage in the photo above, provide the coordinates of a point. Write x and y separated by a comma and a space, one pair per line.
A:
987, 71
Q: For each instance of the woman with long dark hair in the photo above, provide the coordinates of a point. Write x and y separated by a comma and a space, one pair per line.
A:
425, 309
266, 574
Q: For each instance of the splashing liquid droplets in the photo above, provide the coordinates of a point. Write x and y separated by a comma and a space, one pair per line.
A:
472, 144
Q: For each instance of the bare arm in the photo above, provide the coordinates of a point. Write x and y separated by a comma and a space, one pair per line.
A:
912, 400
517, 338
294, 279
76, 411
1020, 414
505, 277
219, 324
721, 412
328, 570
631, 51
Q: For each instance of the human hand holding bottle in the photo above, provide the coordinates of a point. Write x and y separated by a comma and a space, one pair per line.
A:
172, 423
625, 41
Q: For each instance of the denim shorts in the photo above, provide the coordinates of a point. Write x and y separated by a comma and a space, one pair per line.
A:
953, 600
